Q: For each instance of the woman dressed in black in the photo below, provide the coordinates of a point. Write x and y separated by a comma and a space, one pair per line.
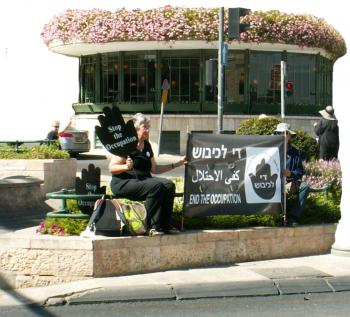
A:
132, 179
328, 132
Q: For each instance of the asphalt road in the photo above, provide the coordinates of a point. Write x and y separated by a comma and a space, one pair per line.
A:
310, 305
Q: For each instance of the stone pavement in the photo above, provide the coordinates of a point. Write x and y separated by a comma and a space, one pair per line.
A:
303, 275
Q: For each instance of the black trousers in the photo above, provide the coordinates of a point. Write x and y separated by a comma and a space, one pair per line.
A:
158, 194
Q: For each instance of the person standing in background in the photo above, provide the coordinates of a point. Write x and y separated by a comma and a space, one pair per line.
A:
327, 131
53, 134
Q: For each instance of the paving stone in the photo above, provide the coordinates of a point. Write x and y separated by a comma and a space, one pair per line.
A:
125, 293
340, 283
290, 272
303, 286
225, 289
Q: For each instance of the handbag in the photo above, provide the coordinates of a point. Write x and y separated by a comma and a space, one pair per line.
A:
134, 215
105, 219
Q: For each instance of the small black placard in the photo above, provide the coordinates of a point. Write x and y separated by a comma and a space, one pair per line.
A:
89, 183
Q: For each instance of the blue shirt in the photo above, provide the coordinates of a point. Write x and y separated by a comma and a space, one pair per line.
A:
294, 163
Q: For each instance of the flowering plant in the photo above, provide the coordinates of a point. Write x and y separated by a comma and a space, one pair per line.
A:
174, 23
51, 229
318, 173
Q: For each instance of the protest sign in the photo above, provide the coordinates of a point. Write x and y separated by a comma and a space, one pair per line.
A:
233, 174
117, 137
89, 183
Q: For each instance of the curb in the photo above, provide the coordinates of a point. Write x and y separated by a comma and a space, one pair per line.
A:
186, 291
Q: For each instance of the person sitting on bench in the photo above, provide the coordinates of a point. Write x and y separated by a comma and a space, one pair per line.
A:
132, 179
296, 189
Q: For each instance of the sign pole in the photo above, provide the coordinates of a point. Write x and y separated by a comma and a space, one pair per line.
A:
220, 71
283, 75
160, 126
165, 88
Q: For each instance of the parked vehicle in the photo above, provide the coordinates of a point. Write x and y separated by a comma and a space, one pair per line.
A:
74, 141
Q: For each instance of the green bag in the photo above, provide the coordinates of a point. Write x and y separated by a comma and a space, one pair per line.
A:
135, 216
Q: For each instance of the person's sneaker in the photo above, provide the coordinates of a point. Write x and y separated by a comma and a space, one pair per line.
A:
172, 231
155, 232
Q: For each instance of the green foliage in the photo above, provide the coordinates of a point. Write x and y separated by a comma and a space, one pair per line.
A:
34, 152
306, 144
320, 208
72, 206
256, 126
62, 226
228, 221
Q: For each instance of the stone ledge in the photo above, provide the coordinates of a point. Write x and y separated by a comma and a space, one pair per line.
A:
56, 173
20, 192
39, 260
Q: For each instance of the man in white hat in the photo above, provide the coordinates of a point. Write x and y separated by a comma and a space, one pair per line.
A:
328, 132
296, 190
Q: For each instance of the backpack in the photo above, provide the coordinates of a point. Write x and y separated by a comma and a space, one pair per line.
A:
105, 220
134, 215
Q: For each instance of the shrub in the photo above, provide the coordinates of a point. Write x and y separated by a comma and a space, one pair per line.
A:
228, 221
306, 144
320, 209
256, 126
34, 152
62, 226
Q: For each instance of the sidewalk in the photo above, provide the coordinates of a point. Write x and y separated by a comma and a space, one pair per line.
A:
303, 275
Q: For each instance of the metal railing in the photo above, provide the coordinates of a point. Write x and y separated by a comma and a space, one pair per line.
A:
17, 143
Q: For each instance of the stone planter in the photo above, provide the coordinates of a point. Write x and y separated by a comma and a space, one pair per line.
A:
20, 192
28, 259
56, 173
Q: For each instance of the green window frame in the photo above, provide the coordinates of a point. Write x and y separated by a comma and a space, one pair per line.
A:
109, 78
301, 71
88, 79
139, 73
183, 74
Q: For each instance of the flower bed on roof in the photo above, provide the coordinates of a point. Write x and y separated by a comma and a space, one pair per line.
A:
173, 24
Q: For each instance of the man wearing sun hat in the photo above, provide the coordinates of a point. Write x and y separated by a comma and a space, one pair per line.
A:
296, 190
328, 132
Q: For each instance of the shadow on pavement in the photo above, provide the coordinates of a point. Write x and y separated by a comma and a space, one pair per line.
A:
20, 218
34, 308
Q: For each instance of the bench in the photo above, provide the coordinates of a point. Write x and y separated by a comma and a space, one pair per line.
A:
65, 194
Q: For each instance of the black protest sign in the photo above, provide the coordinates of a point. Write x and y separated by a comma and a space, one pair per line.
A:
89, 183
233, 174
117, 137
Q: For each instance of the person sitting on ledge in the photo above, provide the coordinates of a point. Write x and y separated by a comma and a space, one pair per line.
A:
132, 179
296, 189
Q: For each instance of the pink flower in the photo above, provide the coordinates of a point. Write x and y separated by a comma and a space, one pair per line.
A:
175, 23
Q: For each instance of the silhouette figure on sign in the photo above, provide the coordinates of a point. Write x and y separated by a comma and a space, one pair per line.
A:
117, 137
264, 183
88, 184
